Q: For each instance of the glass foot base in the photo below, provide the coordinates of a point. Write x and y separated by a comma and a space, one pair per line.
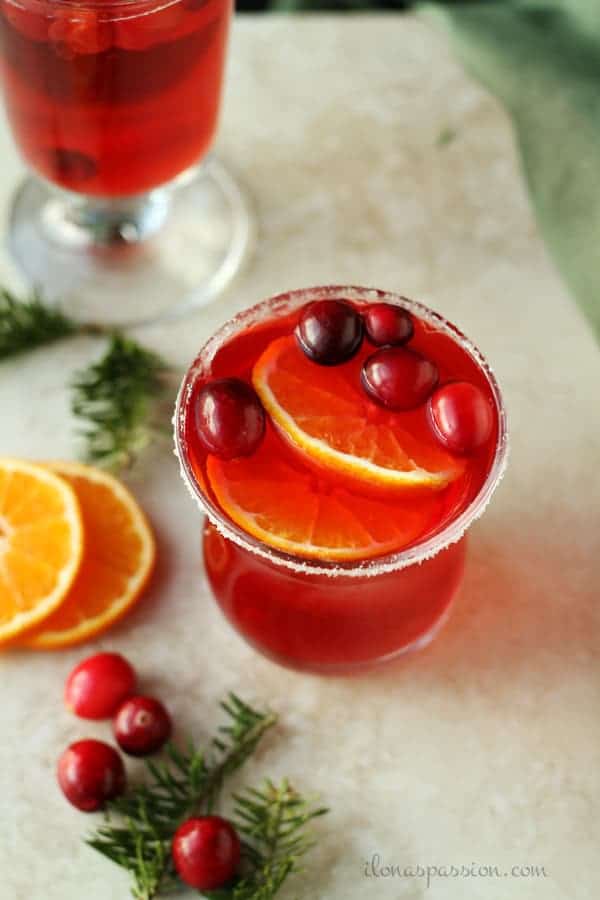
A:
137, 260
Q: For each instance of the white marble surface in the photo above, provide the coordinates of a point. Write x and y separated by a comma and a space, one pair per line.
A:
484, 749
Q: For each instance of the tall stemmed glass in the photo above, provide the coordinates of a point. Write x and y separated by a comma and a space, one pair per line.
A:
113, 105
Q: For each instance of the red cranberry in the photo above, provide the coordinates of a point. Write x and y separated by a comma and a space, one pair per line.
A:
98, 685
89, 773
398, 378
329, 332
206, 852
230, 420
142, 725
386, 323
79, 32
72, 164
461, 417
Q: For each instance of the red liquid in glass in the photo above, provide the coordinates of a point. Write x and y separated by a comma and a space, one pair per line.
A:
320, 623
113, 100
334, 622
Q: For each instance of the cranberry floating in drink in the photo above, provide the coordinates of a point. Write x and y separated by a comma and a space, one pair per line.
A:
461, 416
387, 323
230, 420
116, 102
329, 332
398, 378
336, 540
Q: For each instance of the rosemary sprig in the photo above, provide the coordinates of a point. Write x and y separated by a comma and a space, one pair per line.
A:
27, 324
187, 783
273, 821
143, 851
116, 398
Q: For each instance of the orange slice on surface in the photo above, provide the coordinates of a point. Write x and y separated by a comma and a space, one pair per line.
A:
290, 510
322, 412
41, 544
117, 563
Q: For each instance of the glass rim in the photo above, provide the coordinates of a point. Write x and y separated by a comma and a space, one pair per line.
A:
417, 553
97, 5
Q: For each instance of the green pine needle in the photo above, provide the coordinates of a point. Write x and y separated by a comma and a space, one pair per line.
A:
117, 398
27, 324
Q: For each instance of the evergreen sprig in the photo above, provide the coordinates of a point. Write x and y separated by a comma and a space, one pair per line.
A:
116, 398
27, 324
273, 822
140, 825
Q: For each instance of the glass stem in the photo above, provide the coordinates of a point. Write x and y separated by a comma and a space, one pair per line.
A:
85, 221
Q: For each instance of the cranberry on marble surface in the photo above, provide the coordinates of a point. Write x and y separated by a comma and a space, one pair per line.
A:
142, 725
90, 773
206, 852
98, 685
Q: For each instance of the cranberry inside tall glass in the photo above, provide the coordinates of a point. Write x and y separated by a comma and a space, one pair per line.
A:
114, 105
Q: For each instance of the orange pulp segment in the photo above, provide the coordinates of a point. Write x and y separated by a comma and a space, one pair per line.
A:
41, 544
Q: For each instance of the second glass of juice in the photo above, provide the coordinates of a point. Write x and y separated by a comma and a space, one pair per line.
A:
114, 107
335, 539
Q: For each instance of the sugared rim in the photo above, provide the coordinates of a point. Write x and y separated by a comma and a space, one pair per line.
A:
283, 304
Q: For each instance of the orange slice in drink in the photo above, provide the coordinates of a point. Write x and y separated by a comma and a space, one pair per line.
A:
118, 560
324, 413
41, 543
292, 509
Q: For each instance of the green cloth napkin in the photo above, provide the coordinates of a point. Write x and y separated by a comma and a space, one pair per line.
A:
542, 60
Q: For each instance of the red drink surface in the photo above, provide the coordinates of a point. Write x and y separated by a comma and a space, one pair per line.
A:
237, 358
332, 616
113, 99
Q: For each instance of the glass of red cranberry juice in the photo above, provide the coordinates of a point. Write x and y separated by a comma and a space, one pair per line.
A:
111, 102
332, 617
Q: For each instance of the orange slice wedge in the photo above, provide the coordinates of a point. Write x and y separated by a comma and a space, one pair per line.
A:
41, 543
117, 563
289, 509
321, 410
